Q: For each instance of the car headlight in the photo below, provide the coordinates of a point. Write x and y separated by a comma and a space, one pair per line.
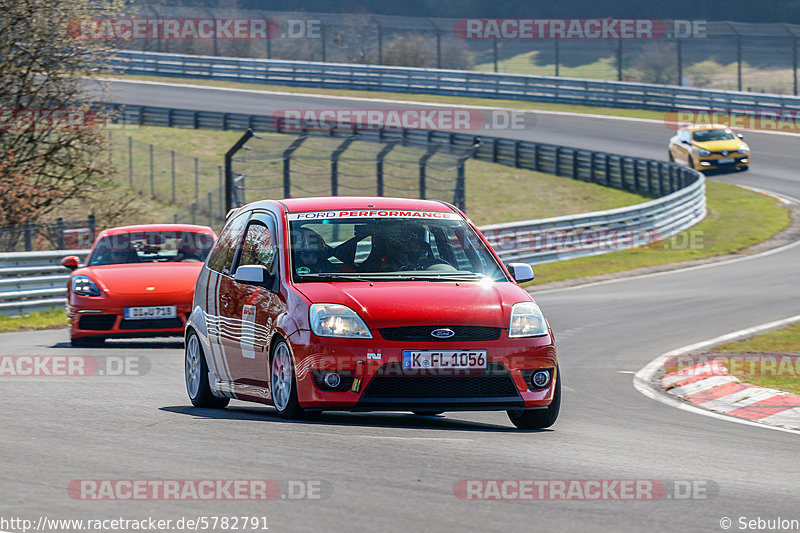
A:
527, 320
743, 149
84, 286
335, 320
702, 151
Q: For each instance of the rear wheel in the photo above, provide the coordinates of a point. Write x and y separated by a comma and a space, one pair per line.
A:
197, 376
669, 156
539, 418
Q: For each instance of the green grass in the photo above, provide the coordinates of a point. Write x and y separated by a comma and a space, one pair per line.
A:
736, 219
56, 318
780, 341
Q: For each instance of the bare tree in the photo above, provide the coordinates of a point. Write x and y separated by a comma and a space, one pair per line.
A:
51, 143
657, 63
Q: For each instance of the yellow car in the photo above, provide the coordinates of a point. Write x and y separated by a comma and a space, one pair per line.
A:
709, 146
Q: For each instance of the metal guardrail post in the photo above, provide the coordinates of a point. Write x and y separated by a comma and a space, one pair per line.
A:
130, 161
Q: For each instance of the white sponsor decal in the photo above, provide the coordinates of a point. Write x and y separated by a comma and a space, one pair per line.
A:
372, 213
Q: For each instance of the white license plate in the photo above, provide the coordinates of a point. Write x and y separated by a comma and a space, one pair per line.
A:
150, 312
441, 359
725, 161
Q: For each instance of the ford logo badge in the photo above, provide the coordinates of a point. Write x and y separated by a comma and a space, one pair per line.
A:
443, 333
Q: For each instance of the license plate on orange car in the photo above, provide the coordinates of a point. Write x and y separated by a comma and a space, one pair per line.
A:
150, 312
450, 359
725, 161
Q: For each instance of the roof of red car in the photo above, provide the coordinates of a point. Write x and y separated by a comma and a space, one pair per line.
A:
157, 227
299, 205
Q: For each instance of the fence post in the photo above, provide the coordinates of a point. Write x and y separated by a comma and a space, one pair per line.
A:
172, 153
210, 209
335, 164
130, 162
28, 236
287, 165
221, 206
196, 179
152, 177
92, 227
60, 226
423, 161
379, 164
229, 168
619, 59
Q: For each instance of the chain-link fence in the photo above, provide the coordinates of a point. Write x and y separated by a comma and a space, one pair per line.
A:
711, 54
164, 175
272, 166
59, 235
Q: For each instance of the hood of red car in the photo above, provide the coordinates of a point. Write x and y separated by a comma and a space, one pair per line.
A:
145, 278
387, 304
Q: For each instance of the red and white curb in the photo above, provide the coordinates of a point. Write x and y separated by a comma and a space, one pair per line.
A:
710, 386
774, 413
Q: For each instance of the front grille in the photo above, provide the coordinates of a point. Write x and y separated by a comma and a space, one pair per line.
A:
495, 382
94, 322
155, 323
423, 333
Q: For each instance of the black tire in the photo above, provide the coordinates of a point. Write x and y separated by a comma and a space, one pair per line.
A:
539, 418
84, 342
744, 167
428, 413
669, 156
285, 402
196, 375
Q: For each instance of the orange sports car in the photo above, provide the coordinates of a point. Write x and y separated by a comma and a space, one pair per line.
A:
709, 146
138, 281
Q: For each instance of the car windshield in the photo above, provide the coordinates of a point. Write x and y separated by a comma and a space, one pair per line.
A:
439, 247
702, 136
152, 247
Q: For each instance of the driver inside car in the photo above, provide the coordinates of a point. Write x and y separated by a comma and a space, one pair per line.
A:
407, 249
311, 252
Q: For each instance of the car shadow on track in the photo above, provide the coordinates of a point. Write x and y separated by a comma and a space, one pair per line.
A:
340, 418
126, 344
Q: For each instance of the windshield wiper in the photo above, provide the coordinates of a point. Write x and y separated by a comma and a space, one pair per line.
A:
331, 277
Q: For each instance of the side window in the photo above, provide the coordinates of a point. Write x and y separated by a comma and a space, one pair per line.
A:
221, 257
259, 246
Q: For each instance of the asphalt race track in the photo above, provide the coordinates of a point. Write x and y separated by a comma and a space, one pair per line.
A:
396, 472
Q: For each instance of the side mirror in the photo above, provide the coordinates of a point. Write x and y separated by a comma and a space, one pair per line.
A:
70, 262
740, 135
521, 272
251, 274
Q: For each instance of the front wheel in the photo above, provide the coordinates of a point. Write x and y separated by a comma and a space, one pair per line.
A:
283, 383
539, 418
197, 376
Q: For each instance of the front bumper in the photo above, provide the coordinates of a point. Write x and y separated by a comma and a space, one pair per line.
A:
111, 323
385, 386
